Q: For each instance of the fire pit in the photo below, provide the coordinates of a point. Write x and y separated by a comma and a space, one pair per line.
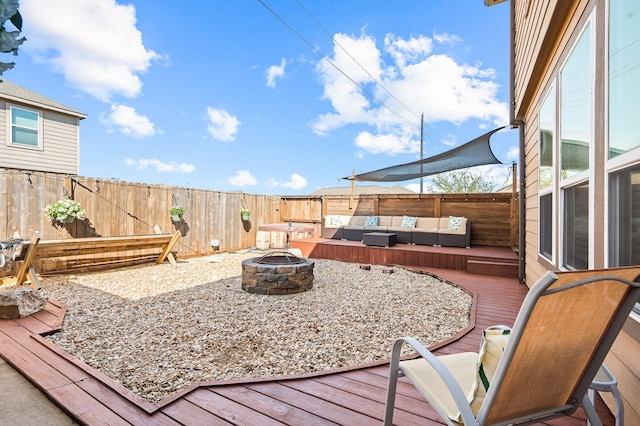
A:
277, 273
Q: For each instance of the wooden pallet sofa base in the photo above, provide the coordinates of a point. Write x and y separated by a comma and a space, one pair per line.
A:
44, 249
432, 231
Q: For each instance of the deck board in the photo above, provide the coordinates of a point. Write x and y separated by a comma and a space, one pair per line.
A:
353, 396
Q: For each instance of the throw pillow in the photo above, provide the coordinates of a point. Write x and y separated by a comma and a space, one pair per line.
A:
335, 220
455, 223
494, 340
408, 222
371, 221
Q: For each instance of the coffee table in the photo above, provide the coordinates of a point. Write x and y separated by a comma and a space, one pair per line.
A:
379, 239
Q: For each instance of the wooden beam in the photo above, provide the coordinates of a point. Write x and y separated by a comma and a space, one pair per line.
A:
26, 268
166, 252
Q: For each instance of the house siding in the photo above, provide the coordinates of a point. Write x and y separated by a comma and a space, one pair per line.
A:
60, 143
545, 31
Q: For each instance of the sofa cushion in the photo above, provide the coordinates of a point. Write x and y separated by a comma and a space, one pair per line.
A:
357, 221
455, 223
443, 229
371, 221
385, 221
428, 222
333, 220
408, 222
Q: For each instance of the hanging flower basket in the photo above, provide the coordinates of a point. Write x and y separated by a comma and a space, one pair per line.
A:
65, 211
245, 214
176, 213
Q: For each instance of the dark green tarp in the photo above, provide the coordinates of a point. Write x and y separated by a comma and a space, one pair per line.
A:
474, 153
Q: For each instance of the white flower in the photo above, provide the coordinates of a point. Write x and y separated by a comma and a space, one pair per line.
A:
64, 210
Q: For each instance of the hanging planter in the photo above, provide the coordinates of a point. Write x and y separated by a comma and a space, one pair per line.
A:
245, 214
65, 211
176, 213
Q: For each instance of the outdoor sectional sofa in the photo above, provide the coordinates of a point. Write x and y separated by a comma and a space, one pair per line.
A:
436, 231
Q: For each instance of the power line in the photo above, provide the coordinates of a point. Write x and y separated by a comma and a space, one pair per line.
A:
316, 50
354, 59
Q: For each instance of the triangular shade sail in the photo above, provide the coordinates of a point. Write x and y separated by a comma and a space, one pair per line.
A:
474, 153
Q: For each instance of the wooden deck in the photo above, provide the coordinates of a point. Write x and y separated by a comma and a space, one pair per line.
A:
353, 396
497, 261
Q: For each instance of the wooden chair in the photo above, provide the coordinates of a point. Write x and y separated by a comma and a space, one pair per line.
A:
565, 327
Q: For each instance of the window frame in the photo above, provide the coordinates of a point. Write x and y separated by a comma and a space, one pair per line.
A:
10, 125
551, 190
588, 175
628, 159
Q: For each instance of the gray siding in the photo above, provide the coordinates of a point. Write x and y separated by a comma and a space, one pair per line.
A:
60, 153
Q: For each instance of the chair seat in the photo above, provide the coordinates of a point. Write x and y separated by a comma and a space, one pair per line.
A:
425, 378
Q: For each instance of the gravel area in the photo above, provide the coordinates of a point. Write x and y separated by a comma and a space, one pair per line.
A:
157, 329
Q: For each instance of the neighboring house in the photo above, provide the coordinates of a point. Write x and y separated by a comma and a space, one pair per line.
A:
37, 133
575, 85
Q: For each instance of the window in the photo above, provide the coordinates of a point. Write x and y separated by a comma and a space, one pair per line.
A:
25, 127
623, 165
545, 178
624, 217
575, 108
576, 128
624, 74
576, 227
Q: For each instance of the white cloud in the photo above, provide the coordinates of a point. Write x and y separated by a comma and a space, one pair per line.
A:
275, 72
295, 182
450, 140
242, 178
514, 153
160, 166
129, 121
445, 38
386, 144
222, 125
94, 43
421, 80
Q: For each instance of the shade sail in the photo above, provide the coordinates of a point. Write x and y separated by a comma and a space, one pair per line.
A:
474, 153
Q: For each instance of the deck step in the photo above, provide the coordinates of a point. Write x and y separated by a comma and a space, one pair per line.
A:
500, 268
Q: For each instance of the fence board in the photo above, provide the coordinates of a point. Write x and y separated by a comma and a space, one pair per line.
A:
116, 208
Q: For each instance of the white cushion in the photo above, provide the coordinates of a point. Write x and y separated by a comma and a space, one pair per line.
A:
332, 220
455, 223
408, 222
427, 222
357, 220
371, 221
385, 220
424, 377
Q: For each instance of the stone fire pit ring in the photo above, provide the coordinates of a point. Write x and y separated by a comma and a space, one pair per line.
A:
277, 273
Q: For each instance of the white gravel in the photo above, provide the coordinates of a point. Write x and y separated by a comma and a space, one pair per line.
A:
157, 329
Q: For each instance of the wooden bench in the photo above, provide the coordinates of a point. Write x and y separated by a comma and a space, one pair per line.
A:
42, 249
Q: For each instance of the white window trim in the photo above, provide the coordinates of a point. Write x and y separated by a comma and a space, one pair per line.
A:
9, 138
553, 190
589, 174
620, 162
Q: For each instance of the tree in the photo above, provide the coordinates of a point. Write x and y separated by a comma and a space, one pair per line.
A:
461, 182
9, 40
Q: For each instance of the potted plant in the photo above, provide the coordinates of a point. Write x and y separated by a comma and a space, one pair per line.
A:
245, 213
65, 211
176, 213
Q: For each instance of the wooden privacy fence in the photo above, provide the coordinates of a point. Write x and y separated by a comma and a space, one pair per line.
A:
494, 217
117, 208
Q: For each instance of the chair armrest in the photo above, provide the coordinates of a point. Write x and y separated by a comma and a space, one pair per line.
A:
449, 380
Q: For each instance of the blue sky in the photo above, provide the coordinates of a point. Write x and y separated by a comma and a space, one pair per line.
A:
269, 97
